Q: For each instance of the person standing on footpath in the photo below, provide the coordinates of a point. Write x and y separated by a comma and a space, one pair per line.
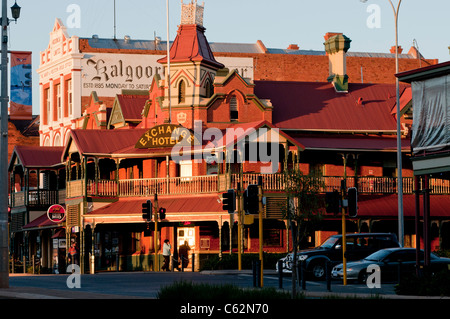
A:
166, 254
73, 253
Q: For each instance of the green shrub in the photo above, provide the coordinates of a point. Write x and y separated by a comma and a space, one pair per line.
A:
436, 285
183, 290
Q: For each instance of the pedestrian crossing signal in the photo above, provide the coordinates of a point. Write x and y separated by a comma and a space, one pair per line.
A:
162, 213
352, 198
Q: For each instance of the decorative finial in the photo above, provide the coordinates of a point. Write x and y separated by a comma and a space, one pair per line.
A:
192, 13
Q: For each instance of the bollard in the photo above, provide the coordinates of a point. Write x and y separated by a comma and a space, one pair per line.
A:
328, 274
254, 272
303, 274
24, 265
193, 262
280, 274
258, 272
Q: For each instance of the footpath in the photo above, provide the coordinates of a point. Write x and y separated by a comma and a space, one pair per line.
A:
338, 291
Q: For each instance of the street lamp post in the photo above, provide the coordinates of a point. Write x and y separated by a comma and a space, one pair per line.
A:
399, 137
4, 250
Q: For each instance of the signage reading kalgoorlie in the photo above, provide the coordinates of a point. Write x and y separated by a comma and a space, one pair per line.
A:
56, 213
166, 135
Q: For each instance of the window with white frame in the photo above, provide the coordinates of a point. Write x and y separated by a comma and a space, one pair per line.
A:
185, 170
47, 105
58, 101
69, 97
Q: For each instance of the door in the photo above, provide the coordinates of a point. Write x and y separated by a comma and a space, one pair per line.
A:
186, 235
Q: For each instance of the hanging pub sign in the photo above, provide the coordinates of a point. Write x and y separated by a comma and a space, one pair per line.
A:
166, 135
56, 213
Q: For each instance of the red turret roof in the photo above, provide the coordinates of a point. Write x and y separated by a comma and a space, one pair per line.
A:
191, 45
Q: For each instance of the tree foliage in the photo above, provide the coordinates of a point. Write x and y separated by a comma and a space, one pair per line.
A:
303, 209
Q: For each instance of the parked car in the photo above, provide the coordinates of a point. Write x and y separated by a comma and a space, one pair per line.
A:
388, 260
358, 246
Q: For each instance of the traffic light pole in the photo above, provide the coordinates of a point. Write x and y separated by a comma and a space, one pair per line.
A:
155, 236
344, 240
239, 205
260, 195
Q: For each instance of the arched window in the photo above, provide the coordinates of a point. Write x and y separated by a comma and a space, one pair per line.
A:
209, 88
234, 114
57, 141
181, 92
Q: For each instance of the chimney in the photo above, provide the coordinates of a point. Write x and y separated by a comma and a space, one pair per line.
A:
336, 47
400, 50
293, 47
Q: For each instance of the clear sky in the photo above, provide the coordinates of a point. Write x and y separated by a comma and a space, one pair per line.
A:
277, 24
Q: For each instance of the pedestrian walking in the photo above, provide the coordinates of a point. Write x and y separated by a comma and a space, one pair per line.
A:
166, 254
184, 254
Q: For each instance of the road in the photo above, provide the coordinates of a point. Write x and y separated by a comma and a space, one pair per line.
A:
147, 284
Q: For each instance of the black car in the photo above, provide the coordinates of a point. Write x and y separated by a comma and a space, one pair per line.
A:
389, 262
358, 247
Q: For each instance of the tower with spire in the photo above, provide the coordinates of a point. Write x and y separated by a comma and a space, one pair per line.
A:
192, 66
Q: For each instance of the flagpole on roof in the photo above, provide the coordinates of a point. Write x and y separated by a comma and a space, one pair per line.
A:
168, 62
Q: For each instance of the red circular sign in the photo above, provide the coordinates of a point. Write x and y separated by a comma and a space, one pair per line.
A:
56, 213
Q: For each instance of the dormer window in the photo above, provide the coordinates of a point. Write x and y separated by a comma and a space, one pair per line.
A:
181, 92
234, 114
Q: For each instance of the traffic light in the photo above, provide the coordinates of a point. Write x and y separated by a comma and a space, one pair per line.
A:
251, 199
332, 200
147, 210
352, 198
162, 213
229, 201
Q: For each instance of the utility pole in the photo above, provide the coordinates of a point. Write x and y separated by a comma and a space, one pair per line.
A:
4, 251
261, 255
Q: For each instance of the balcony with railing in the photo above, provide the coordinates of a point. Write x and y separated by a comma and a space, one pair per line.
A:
37, 198
218, 183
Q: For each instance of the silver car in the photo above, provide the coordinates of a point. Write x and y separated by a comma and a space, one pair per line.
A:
389, 261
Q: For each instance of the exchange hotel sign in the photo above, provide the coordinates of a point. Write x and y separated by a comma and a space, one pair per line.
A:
109, 73
166, 135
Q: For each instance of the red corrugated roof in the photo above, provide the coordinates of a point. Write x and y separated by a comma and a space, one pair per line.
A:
42, 222
191, 45
404, 99
105, 141
353, 142
132, 105
317, 106
38, 156
209, 203
124, 141
387, 206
